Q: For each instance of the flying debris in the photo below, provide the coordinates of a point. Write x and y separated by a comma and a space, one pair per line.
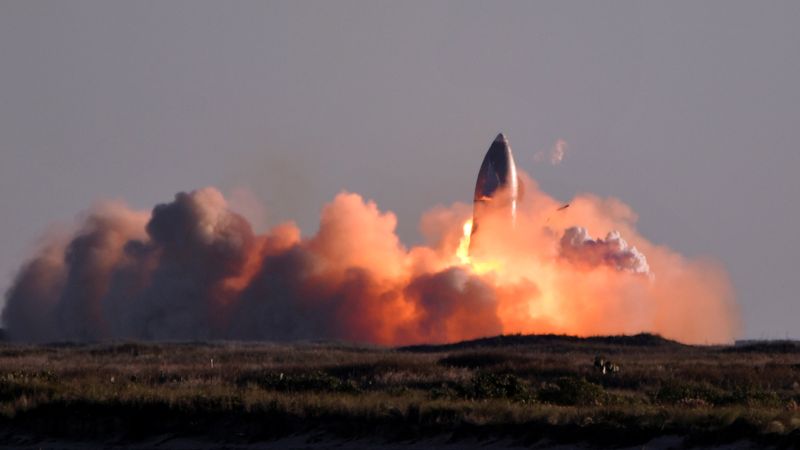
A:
560, 208
498, 187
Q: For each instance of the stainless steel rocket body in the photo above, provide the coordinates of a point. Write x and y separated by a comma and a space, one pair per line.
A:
497, 188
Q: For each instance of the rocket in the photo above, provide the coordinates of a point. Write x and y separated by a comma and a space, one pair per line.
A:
497, 188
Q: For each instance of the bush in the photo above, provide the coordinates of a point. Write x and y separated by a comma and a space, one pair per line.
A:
673, 392
485, 385
573, 391
491, 385
752, 396
316, 381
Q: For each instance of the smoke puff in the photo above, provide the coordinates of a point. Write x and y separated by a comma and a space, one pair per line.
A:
32, 299
452, 305
195, 245
578, 247
554, 155
58, 294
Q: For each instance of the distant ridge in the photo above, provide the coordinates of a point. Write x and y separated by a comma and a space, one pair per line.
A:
765, 346
516, 340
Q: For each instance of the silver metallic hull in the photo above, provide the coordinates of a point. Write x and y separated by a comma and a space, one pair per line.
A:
497, 187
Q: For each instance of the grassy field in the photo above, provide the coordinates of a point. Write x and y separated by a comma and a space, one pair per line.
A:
526, 389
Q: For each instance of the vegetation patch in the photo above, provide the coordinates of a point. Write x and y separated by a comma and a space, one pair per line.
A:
517, 388
573, 391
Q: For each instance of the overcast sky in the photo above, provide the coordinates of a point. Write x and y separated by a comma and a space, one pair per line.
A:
687, 111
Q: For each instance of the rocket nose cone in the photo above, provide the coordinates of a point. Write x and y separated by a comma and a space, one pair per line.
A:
501, 138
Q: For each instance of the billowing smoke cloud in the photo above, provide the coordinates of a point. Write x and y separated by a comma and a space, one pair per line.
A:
194, 269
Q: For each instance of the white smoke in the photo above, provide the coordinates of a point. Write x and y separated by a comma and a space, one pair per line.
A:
578, 247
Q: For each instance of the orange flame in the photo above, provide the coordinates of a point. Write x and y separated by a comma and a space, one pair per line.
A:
477, 265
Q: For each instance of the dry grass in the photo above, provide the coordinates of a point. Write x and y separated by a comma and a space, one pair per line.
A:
515, 387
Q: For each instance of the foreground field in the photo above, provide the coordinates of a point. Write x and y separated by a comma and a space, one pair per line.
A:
510, 390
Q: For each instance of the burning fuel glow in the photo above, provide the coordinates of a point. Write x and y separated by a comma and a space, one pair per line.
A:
194, 269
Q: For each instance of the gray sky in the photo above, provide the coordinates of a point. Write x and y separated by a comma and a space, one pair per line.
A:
687, 111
